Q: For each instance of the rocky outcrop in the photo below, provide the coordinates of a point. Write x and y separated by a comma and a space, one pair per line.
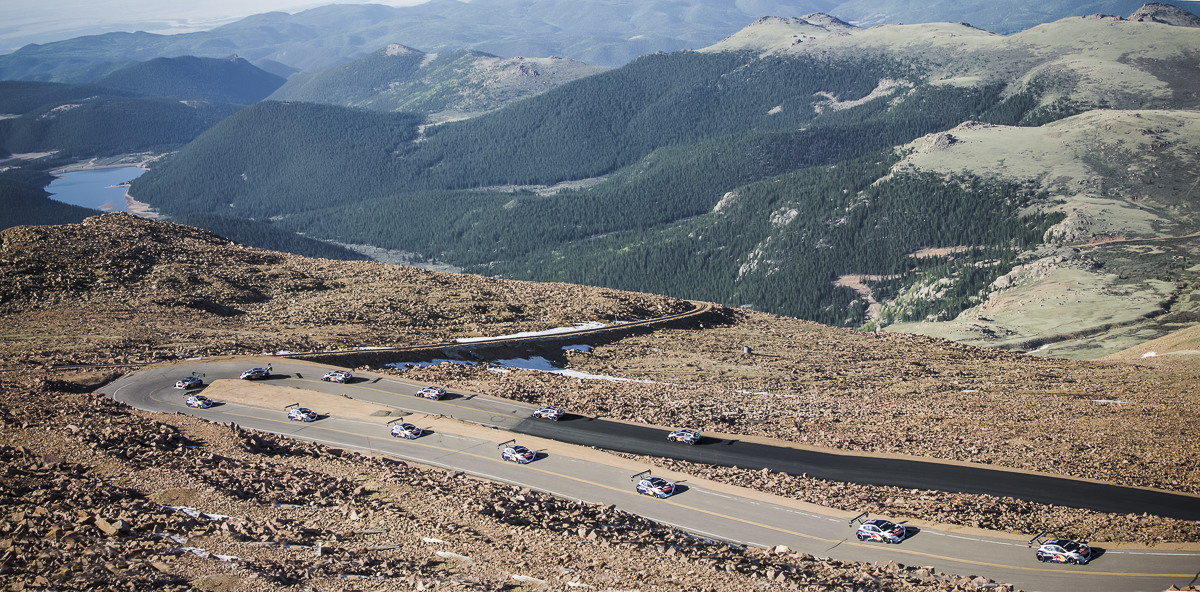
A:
1156, 12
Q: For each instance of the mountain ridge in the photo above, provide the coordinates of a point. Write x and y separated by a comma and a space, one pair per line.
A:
593, 32
444, 86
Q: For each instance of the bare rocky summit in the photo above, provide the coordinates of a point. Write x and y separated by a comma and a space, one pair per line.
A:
1157, 12
153, 291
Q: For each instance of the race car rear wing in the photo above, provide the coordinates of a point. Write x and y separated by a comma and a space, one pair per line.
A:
288, 407
1037, 540
503, 444
639, 476
859, 519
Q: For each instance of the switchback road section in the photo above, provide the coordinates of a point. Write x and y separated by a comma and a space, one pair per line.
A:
705, 508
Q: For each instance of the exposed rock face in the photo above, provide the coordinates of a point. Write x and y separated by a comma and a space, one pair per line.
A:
1156, 12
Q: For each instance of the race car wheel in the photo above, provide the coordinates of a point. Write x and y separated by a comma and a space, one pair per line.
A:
860, 536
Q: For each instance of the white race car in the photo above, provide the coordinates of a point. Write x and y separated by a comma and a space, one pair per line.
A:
881, 530
188, 382
518, 454
302, 414
1063, 551
407, 431
432, 392
688, 437
550, 413
656, 487
342, 376
199, 402
256, 373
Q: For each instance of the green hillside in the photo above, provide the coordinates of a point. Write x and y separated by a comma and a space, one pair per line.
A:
763, 172
674, 133
230, 80
274, 157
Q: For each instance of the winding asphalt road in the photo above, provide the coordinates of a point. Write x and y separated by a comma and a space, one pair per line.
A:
717, 512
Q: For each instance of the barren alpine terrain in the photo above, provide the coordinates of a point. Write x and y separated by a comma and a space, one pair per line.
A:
96, 494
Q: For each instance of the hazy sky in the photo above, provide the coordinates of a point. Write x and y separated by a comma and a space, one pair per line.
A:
42, 21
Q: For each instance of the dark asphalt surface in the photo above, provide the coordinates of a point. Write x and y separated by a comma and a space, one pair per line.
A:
911, 474
704, 512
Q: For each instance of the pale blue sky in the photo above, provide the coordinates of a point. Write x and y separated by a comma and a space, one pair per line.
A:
43, 21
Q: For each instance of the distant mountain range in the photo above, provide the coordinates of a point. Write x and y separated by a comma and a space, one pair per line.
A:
803, 166
444, 86
598, 32
1013, 190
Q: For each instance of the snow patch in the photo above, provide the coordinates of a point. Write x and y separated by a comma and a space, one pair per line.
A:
554, 331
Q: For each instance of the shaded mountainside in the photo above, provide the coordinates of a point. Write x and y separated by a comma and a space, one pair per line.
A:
107, 125
450, 85
229, 80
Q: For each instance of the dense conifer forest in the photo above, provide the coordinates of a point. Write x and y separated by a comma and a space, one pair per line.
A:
24, 201
658, 143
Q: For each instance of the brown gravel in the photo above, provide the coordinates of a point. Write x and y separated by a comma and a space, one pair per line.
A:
119, 290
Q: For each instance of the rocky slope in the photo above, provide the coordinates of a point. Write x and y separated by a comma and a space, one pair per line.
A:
143, 290
94, 489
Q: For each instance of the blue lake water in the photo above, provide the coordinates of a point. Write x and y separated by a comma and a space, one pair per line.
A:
94, 189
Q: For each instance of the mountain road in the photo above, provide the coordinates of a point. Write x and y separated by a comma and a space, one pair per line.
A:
463, 431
